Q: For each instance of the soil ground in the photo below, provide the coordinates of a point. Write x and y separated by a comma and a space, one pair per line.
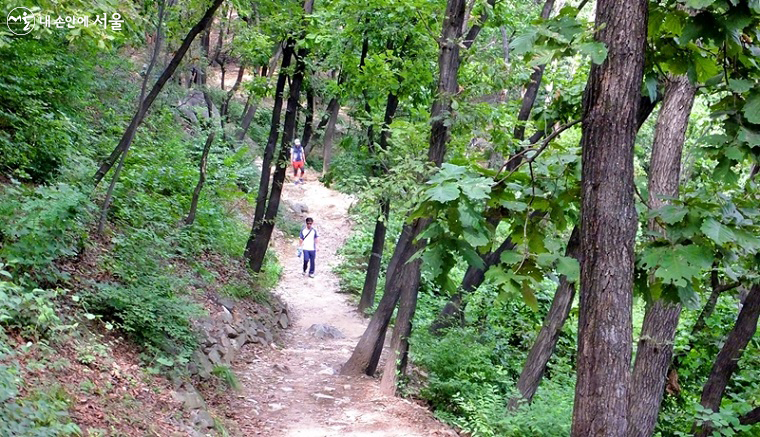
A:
294, 389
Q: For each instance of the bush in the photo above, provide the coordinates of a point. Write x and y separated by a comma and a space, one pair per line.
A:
40, 226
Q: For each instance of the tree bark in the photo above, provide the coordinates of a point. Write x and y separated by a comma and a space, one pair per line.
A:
309, 119
543, 347
378, 238
327, 142
367, 352
201, 178
251, 110
259, 239
608, 222
274, 133
655, 348
728, 358
751, 418
145, 105
141, 102
224, 110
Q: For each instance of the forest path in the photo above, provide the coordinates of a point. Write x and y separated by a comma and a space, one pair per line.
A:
295, 390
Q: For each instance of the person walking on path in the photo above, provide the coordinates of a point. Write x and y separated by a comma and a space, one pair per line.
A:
298, 159
309, 238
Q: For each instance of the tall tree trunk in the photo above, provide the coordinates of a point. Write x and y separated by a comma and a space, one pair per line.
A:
137, 119
543, 347
251, 110
378, 238
141, 103
751, 418
274, 133
327, 142
608, 222
260, 236
224, 110
308, 119
728, 358
367, 353
201, 178
655, 347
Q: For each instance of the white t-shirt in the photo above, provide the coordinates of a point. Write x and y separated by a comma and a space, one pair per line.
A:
308, 236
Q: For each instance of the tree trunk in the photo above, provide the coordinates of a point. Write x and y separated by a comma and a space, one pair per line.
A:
397, 360
375, 258
137, 119
247, 119
543, 347
251, 110
378, 238
608, 222
259, 239
141, 103
367, 353
655, 347
201, 178
274, 133
309, 119
224, 110
327, 143
728, 358
751, 418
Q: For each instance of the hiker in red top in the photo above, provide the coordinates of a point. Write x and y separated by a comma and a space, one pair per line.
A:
298, 159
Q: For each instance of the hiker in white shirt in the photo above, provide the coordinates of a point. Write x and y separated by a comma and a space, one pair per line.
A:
309, 239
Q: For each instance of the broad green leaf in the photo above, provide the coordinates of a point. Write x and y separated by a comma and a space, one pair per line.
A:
510, 257
514, 205
569, 267
752, 108
445, 192
467, 215
475, 238
739, 85
699, 4
689, 298
546, 259
705, 67
528, 296
671, 214
476, 188
651, 84
678, 264
717, 231
594, 50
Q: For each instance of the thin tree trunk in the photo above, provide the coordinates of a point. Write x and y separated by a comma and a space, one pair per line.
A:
505, 44
608, 222
251, 111
727, 361
655, 347
378, 238
543, 347
367, 353
129, 133
201, 178
141, 103
259, 240
751, 418
327, 143
224, 110
274, 133
308, 119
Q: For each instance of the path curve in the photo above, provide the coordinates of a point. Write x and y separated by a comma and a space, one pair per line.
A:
295, 390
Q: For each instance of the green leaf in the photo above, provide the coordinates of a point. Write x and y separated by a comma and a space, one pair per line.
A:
594, 50
717, 231
678, 264
651, 84
705, 67
510, 257
546, 259
671, 214
165, 361
524, 43
752, 108
739, 85
699, 4
514, 205
445, 192
569, 267
528, 296
467, 215
476, 188
475, 238
688, 297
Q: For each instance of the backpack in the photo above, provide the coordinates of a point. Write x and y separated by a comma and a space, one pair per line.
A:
298, 153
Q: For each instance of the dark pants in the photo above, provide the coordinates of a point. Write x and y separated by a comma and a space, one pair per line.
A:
309, 255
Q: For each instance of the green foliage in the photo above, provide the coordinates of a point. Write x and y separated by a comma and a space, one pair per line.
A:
227, 376
42, 224
39, 413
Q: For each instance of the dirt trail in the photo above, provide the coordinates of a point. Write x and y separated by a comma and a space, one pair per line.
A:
295, 390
